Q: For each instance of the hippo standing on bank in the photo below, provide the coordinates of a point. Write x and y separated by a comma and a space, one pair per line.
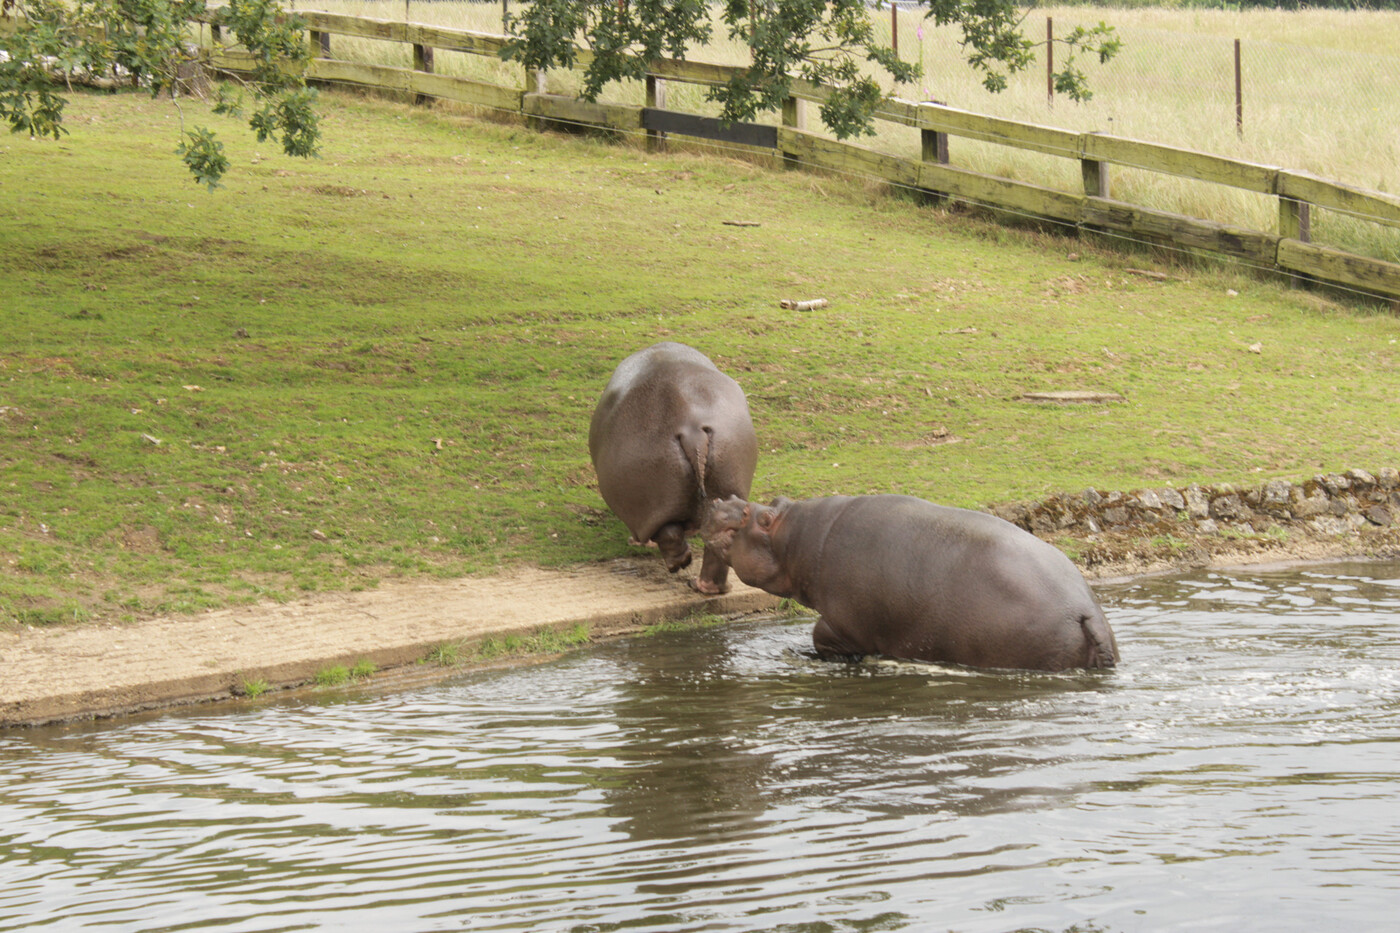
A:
670, 432
904, 578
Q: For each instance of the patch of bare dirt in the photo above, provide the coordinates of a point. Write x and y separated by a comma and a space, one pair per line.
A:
78, 672
86, 671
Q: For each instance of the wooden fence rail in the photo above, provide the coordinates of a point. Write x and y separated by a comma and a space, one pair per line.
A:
1285, 250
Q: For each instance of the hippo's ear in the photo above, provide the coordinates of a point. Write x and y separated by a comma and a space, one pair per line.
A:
765, 519
780, 503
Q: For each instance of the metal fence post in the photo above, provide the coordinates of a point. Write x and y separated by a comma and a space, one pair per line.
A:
1239, 94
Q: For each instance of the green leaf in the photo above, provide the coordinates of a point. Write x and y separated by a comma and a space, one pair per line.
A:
204, 155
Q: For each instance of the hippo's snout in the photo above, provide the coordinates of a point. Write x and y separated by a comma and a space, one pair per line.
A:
723, 517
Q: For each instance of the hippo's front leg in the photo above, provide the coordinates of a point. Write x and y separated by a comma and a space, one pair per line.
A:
714, 574
830, 645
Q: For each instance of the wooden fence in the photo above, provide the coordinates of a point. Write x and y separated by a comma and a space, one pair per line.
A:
1285, 250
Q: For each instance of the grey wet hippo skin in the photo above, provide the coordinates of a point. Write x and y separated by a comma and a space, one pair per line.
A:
904, 578
670, 432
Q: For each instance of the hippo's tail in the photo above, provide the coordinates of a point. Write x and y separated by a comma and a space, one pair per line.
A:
1098, 637
696, 447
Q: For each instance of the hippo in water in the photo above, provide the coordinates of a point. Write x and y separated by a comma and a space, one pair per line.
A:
670, 432
904, 578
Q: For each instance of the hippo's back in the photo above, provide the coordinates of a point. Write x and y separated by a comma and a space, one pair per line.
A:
669, 423
655, 391
904, 577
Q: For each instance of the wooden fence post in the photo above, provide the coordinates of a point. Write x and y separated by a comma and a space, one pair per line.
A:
1095, 175
422, 61
656, 99
534, 84
1295, 223
935, 150
1294, 219
894, 29
792, 116
1049, 63
935, 143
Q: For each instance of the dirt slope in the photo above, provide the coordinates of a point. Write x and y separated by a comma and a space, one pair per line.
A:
100, 670
63, 673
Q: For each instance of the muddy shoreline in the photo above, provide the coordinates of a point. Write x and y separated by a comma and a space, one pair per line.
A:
399, 630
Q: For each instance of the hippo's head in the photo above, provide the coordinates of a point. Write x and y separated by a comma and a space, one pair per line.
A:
742, 533
723, 517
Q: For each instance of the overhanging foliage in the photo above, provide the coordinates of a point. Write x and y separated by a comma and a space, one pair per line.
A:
830, 42
146, 43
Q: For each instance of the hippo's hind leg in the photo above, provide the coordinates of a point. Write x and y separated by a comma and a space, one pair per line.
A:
1101, 650
714, 574
675, 549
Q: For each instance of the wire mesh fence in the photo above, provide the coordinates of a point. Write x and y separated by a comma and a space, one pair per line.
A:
1309, 90
1321, 101
1305, 90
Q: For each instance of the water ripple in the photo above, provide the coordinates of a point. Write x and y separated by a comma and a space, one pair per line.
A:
1236, 771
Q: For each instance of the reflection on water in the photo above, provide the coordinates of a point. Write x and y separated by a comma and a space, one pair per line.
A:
1238, 771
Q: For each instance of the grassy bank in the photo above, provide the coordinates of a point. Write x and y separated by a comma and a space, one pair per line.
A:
383, 362
1314, 84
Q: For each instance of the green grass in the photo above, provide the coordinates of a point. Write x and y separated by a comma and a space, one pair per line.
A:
1170, 541
334, 676
689, 623
495, 647
792, 608
381, 364
1315, 87
337, 675
446, 655
254, 688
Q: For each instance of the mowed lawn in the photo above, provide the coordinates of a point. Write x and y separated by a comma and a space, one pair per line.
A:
382, 362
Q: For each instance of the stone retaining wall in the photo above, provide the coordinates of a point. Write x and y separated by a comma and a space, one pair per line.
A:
1328, 505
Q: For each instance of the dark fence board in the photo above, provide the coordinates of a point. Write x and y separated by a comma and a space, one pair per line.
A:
687, 124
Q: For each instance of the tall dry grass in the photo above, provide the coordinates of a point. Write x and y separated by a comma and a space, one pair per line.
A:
1317, 92
1318, 96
